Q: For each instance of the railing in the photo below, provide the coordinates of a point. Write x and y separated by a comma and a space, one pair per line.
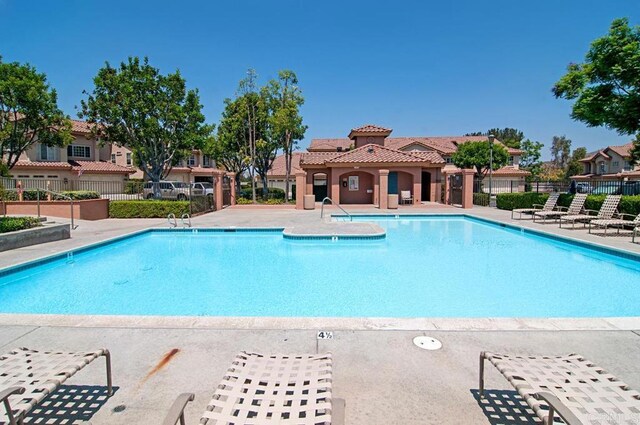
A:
57, 195
188, 222
171, 218
333, 203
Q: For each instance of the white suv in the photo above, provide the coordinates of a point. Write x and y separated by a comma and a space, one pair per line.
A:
168, 190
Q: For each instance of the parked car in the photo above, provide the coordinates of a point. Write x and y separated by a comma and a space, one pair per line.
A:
630, 188
202, 188
583, 188
168, 190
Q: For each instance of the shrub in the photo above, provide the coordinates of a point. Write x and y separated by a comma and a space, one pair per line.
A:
133, 186
481, 199
32, 195
274, 201
12, 224
510, 201
243, 201
78, 195
276, 193
147, 209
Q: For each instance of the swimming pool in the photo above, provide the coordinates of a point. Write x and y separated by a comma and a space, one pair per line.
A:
425, 267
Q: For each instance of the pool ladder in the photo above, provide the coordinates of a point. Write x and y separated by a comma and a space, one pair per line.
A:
337, 205
173, 221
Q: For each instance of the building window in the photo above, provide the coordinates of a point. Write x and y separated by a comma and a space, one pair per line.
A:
129, 162
627, 166
601, 168
52, 177
38, 177
616, 163
113, 158
48, 153
511, 160
23, 176
191, 162
79, 151
448, 160
206, 161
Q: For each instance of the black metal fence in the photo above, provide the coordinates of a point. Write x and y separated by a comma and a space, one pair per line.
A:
595, 187
201, 198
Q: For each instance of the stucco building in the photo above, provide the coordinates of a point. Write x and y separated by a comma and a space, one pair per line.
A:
612, 163
351, 170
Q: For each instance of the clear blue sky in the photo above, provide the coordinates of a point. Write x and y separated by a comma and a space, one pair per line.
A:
419, 67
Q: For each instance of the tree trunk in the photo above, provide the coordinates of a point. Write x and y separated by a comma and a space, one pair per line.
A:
287, 165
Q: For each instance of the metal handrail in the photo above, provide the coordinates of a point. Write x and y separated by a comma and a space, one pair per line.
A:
173, 223
326, 198
60, 195
188, 217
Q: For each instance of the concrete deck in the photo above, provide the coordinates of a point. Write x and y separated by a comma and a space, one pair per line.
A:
337, 229
382, 376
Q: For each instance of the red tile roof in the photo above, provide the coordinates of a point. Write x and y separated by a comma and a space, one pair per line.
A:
375, 154
100, 167
622, 150
329, 144
81, 127
318, 158
444, 144
510, 171
371, 128
42, 164
278, 167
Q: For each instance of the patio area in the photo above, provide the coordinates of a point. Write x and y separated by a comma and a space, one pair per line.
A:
383, 377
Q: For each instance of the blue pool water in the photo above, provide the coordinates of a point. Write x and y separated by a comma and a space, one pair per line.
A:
425, 267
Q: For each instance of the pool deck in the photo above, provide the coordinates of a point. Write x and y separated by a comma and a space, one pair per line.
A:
382, 376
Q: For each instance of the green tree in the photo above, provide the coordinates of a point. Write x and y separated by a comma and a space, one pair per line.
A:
574, 167
29, 113
510, 137
606, 87
530, 159
152, 114
476, 155
228, 148
560, 150
251, 103
284, 98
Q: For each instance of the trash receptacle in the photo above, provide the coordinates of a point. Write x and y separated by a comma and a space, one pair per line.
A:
309, 202
392, 202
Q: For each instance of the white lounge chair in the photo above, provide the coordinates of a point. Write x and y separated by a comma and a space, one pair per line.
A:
549, 205
606, 212
576, 206
405, 197
28, 376
618, 223
276, 389
569, 386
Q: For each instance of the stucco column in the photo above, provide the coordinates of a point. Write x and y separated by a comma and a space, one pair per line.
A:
384, 189
447, 188
232, 180
219, 195
309, 183
335, 186
467, 188
438, 185
301, 178
417, 187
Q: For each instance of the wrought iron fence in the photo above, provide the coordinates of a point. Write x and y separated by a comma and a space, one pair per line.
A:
201, 200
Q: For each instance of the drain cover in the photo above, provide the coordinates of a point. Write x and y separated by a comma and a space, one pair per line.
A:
427, 343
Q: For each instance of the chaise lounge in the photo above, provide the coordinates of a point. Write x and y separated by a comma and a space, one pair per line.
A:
549, 205
569, 387
606, 212
276, 389
618, 223
28, 376
576, 206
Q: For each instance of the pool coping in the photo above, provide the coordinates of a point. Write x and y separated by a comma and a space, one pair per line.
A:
341, 323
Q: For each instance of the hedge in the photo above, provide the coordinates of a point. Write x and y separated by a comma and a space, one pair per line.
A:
481, 199
133, 186
12, 224
509, 201
32, 195
147, 209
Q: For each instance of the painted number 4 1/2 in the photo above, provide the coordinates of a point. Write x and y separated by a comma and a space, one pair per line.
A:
325, 335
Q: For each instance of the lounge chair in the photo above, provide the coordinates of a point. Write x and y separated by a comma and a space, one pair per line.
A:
606, 212
405, 197
576, 206
28, 376
277, 389
618, 223
570, 387
636, 232
549, 205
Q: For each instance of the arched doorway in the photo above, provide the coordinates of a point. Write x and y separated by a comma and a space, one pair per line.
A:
320, 186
